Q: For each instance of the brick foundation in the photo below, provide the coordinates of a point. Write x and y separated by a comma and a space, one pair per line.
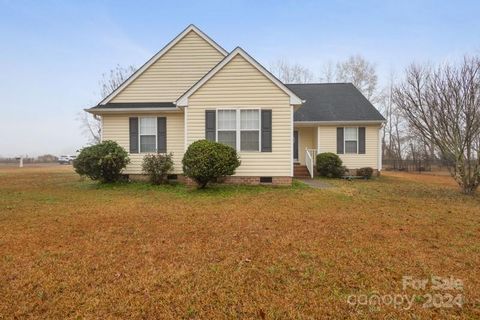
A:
144, 177
276, 181
353, 172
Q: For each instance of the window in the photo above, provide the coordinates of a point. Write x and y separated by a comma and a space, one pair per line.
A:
148, 134
249, 130
351, 140
227, 127
239, 129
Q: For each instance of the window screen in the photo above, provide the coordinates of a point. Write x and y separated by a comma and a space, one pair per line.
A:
227, 125
148, 134
351, 140
249, 130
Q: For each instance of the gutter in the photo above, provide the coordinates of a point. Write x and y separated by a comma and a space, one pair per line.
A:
130, 110
340, 122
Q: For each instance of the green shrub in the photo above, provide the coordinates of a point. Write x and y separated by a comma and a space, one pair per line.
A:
206, 161
365, 172
329, 165
104, 161
157, 167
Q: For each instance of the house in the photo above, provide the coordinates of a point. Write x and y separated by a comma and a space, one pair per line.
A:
194, 89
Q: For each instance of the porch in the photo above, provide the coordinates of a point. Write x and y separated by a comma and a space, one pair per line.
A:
305, 149
360, 145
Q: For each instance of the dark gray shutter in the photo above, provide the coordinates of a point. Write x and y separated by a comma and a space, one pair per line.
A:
266, 131
340, 140
361, 140
133, 129
210, 125
161, 135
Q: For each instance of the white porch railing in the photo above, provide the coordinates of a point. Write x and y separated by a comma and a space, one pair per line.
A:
310, 155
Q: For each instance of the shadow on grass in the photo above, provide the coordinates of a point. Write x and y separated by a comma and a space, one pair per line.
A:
181, 190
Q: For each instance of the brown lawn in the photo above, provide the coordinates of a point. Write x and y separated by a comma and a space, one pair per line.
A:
73, 249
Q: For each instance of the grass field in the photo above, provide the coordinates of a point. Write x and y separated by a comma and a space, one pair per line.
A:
70, 248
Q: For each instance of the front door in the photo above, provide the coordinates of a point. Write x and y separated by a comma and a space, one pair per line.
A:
295, 145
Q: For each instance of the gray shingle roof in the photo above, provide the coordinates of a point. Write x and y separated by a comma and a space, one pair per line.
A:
125, 105
333, 102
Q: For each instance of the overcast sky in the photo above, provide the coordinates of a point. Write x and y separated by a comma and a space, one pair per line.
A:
53, 53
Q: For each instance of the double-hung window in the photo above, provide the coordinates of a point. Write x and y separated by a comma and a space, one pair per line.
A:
351, 140
148, 134
239, 128
227, 127
249, 130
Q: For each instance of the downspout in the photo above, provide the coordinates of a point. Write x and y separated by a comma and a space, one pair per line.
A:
379, 149
291, 142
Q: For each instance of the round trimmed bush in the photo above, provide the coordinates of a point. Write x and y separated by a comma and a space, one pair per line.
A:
329, 165
103, 161
206, 161
157, 167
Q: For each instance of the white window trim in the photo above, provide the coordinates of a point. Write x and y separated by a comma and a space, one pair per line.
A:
238, 129
228, 130
139, 135
345, 140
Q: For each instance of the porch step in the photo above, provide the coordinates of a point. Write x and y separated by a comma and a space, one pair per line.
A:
300, 171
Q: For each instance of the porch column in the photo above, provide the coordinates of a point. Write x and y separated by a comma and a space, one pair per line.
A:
318, 139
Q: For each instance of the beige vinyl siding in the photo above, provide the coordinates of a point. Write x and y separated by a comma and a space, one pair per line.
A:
306, 139
241, 85
116, 128
174, 73
328, 143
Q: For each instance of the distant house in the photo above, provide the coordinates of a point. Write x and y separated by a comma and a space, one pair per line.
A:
194, 89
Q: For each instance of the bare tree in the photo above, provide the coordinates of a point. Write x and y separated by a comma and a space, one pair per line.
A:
327, 73
443, 106
91, 124
114, 78
395, 139
291, 73
360, 73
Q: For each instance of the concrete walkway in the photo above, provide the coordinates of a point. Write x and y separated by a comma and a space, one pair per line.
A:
315, 183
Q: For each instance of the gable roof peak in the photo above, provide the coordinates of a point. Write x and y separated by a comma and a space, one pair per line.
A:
197, 30
183, 100
159, 54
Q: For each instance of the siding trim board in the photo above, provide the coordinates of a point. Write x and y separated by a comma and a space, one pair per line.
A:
359, 122
101, 111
